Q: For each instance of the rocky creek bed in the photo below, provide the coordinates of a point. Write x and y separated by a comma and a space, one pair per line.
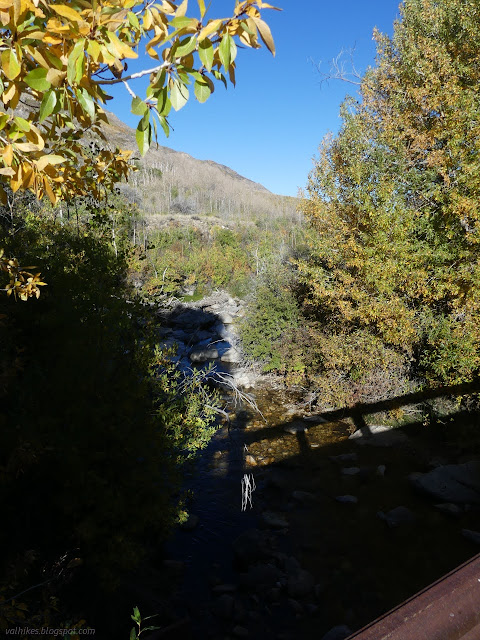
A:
342, 526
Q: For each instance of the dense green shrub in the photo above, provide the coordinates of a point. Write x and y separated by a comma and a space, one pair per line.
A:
94, 425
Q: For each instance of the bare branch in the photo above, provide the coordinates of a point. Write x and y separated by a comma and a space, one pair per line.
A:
341, 69
133, 76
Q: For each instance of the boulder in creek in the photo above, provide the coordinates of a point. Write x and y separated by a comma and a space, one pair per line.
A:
274, 520
450, 509
201, 355
260, 577
304, 497
295, 427
250, 547
344, 457
347, 499
231, 355
457, 483
473, 536
300, 584
398, 516
379, 436
340, 632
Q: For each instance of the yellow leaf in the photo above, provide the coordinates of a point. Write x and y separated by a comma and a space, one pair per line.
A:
27, 146
7, 171
7, 153
182, 9
211, 27
265, 34
55, 77
10, 64
49, 191
67, 12
42, 162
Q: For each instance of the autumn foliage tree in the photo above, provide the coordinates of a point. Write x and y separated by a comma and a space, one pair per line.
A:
65, 55
394, 200
57, 60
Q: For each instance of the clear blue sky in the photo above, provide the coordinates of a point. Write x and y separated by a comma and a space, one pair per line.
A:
269, 127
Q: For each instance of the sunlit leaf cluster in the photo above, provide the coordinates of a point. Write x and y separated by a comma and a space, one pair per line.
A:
22, 284
394, 196
57, 60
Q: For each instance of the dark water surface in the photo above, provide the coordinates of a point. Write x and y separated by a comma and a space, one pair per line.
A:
361, 567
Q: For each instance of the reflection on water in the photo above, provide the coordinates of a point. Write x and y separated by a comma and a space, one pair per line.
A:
329, 491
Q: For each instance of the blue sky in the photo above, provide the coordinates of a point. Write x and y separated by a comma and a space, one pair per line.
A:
269, 127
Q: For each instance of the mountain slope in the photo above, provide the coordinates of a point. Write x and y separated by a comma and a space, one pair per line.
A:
169, 181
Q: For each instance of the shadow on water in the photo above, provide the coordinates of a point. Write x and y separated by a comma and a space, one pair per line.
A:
318, 548
319, 506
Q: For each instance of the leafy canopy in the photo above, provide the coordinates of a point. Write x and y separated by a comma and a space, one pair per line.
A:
394, 197
57, 60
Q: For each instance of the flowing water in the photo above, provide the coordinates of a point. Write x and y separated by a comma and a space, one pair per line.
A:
359, 566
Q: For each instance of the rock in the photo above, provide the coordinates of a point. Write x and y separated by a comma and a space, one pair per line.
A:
249, 459
201, 355
192, 318
344, 457
315, 419
191, 522
473, 536
381, 470
347, 499
379, 436
397, 516
340, 632
295, 606
231, 355
304, 497
261, 576
457, 483
240, 632
350, 471
295, 427
250, 547
224, 588
300, 584
220, 330
226, 318
274, 520
244, 379
450, 509
223, 606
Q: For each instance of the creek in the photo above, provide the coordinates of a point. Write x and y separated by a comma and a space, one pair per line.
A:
335, 536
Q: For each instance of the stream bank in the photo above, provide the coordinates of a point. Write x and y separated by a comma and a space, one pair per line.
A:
340, 530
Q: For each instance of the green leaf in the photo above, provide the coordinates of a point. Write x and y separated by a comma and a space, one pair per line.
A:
220, 76
227, 50
86, 102
165, 127
133, 20
22, 124
186, 46
48, 104
37, 79
143, 124
181, 21
75, 60
205, 51
178, 95
133, 634
164, 104
136, 615
144, 139
139, 108
202, 91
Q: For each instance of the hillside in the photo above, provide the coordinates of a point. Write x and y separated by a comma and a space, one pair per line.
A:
171, 181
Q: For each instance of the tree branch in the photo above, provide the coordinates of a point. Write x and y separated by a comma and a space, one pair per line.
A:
133, 76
